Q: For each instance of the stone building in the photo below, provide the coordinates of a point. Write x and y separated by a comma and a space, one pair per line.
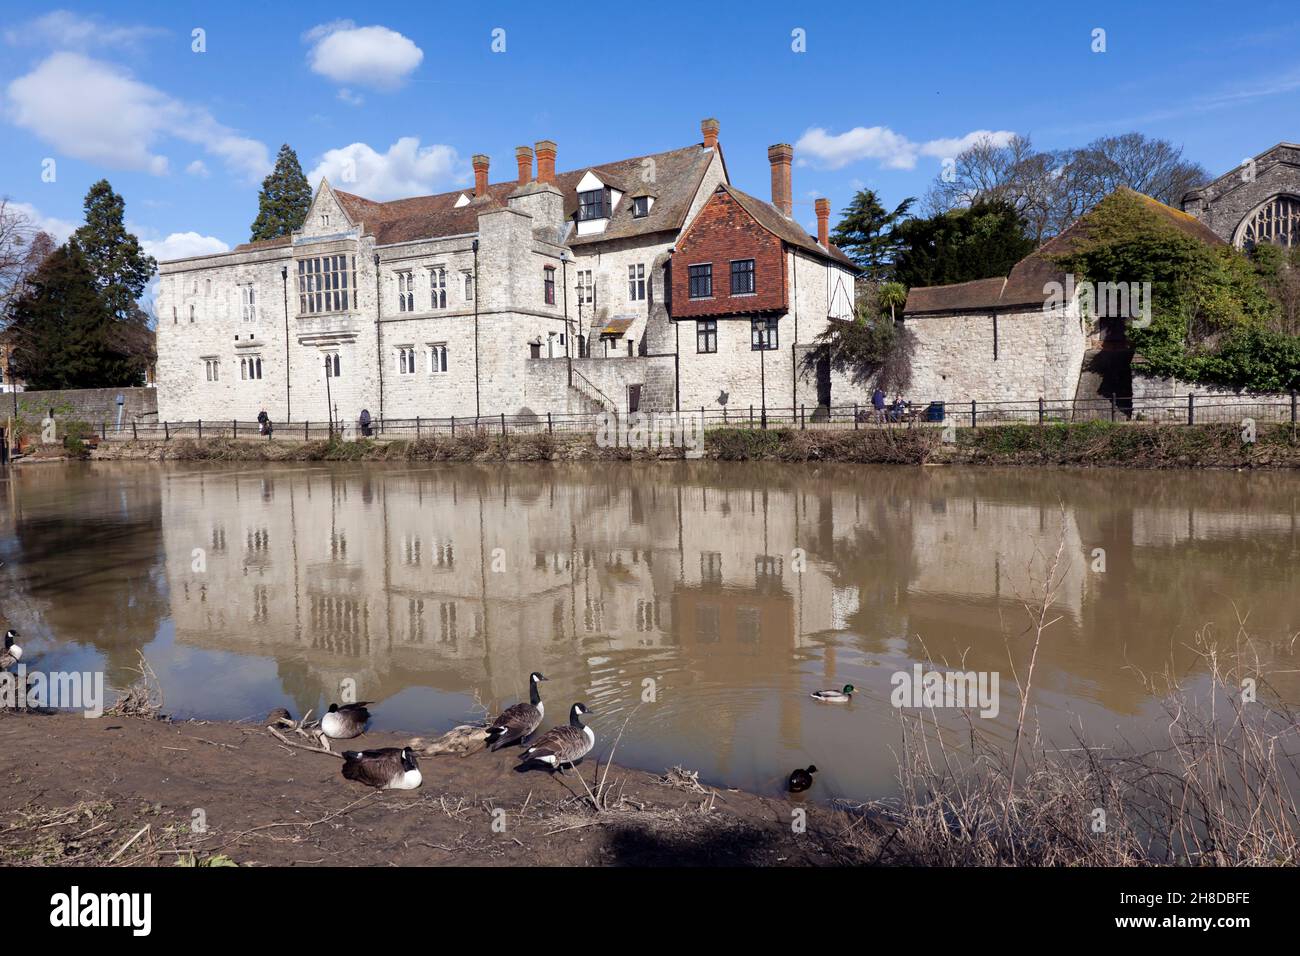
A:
1035, 333
1259, 201
546, 293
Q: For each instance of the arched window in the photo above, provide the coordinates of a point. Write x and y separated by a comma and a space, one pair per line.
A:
1276, 222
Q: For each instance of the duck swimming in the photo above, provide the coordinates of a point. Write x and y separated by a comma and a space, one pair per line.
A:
834, 696
801, 780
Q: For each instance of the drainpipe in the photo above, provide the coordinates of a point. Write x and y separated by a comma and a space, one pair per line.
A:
568, 332
477, 410
379, 342
284, 280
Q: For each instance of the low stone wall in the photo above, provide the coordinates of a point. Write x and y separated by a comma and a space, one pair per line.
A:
598, 379
1165, 399
95, 406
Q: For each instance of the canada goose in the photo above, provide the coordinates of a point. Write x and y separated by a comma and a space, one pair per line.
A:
801, 780
517, 722
387, 769
346, 722
566, 744
12, 653
834, 696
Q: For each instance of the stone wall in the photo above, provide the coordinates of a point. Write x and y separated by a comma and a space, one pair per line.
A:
599, 381
1165, 399
1039, 353
94, 406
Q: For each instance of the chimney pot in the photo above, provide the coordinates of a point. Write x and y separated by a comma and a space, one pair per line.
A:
524, 156
709, 127
781, 156
823, 207
480, 174
545, 150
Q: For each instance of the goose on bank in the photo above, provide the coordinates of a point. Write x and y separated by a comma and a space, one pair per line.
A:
517, 722
562, 745
842, 696
12, 653
388, 768
346, 722
801, 780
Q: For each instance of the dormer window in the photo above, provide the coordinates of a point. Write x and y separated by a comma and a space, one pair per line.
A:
640, 207
593, 204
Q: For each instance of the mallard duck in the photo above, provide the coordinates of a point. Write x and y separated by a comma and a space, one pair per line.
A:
562, 745
834, 696
459, 741
346, 722
801, 780
517, 722
388, 768
12, 653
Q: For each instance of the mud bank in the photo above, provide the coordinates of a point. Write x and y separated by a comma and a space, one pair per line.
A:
77, 791
1087, 444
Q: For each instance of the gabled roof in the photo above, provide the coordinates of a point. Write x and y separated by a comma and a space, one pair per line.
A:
1023, 286
771, 219
1283, 152
677, 175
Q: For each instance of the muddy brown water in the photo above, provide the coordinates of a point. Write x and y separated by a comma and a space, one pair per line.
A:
712, 598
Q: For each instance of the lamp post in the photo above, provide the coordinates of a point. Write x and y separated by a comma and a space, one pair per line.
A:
13, 388
284, 280
329, 402
761, 332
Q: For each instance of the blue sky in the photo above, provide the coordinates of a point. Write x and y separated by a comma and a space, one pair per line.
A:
408, 92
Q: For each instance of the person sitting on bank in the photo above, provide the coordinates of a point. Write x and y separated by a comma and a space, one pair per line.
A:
264, 423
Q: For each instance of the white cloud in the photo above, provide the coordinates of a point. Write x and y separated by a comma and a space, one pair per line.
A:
60, 229
352, 99
198, 168
406, 169
64, 30
374, 56
95, 111
890, 149
182, 245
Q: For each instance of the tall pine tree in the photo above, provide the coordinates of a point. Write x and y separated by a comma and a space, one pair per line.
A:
867, 233
113, 255
285, 198
64, 333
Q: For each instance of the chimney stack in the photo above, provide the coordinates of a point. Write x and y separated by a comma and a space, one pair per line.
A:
545, 160
524, 156
480, 174
709, 127
781, 156
823, 207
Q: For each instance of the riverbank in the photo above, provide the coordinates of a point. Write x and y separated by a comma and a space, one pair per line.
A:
1084, 444
85, 789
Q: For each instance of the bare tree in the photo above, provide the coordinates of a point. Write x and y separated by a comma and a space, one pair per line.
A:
22, 249
1051, 189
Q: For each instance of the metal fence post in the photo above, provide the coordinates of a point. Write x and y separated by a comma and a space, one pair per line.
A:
1112, 408
234, 428
417, 426
167, 432
855, 416
550, 426
136, 437
1041, 411
103, 431
453, 426
306, 431
803, 418
503, 424
751, 416
972, 414
1191, 408
1293, 404
200, 428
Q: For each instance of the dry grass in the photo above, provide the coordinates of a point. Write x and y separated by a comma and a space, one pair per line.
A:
1213, 787
143, 699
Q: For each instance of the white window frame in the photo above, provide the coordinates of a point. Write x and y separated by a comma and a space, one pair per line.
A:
636, 282
438, 287
406, 291
437, 352
248, 303
406, 359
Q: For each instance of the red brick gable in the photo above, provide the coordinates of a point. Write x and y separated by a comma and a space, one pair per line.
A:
724, 231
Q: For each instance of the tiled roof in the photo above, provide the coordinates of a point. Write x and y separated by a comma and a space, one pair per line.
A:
1024, 284
262, 244
422, 217
616, 327
771, 219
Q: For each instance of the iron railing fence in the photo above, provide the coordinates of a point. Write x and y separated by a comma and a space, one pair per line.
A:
1167, 409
